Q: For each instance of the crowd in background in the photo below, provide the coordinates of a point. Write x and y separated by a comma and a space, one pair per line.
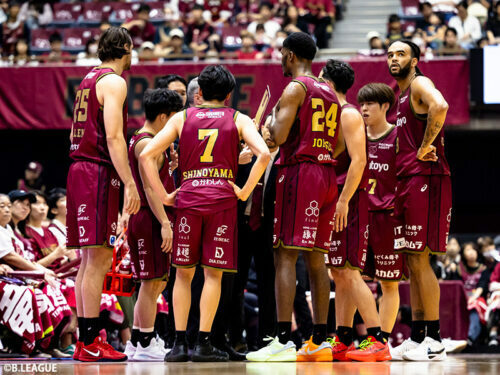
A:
39, 31
449, 31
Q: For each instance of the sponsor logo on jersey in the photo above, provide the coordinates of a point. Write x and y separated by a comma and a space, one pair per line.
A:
81, 209
313, 209
208, 172
372, 150
403, 99
378, 167
113, 226
219, 252
324, 157
282, 177
211, 114
424, 188
140, 243
183, 251
81, 231
112, 240
385, 146
221, 230
115, 182
183, 226
141, 263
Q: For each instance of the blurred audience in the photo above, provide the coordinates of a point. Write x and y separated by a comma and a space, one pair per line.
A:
467, 26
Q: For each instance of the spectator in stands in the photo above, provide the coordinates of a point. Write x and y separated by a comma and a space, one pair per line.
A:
89, 56
176, 48
374, 40
22, 54
175, 83
450, 46
56, 54
435, 32
198, 30
319, 13
467, 27
146, 52
12, 29
247, 50
36, 13
395, 31
32, 177
493, 26
452, 257
262, 40
293, 22
140, 28
426, 10
445, 8
483, 42
104, 26
270, 26
494, 306
218, 12
274, 53
172, 21
57, 214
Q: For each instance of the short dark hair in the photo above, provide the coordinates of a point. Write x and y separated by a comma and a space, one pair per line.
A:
112, 44
197, 7
163, 82
376, 92
144, 7
340, 74
301, 44
394, 18
424, 4
266, 4
452, 29
414, 49
39, 193
54, 196
463, 4
216, 82
55, 37
157, 101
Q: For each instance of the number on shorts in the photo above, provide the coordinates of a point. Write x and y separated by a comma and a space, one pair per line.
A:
212, 135
373, 182
81, 105
319, 119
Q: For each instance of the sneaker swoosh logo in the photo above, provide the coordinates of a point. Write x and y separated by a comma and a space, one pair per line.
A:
92, 353
309, 352
432, 354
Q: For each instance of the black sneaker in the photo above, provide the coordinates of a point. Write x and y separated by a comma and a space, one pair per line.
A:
179, 353
207, 353
231, 352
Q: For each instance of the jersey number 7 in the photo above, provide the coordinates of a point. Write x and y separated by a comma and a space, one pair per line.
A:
212, 135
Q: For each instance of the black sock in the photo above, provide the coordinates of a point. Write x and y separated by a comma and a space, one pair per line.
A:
203, 338
134, 339
284, 331
180, 337
345, 335
433, 329
386, 335
319, 333
376, 332
146, 337
418, 330
81, 329
92, 330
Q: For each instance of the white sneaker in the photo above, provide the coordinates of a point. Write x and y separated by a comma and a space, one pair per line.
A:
152, 353
428, 350
398, 351
130, 350
454, 346
274, 352
161, 344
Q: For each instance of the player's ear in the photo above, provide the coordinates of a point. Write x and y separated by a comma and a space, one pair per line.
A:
385, 107
228, 97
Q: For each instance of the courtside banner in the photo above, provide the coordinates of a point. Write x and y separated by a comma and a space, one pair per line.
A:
42, 97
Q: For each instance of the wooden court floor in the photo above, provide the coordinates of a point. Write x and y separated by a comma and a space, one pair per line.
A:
457, 364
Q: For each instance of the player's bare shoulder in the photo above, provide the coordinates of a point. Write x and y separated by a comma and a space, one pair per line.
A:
110, 84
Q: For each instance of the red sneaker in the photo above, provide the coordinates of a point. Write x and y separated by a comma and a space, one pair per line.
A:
100, 351
78, 349
339, 349
370, 350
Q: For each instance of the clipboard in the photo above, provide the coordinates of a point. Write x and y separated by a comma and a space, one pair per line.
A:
266, 97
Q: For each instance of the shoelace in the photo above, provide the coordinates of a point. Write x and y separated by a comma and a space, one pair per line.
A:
365, 344
332, 341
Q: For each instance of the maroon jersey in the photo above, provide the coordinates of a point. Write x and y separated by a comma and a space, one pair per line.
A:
382, 171
216, 6
208, 159
411, 129
43, 244
313, 135
88, 133
165, 176
344, 161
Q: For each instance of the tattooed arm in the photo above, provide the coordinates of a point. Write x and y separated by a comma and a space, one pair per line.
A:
424, 91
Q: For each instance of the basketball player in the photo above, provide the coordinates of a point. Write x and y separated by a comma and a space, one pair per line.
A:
100, 161
175, 83
347, 254
304, 125
423, 195
150, 233
205, 228
375, 99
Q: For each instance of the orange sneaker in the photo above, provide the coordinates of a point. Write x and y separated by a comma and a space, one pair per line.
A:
370, 350
310, 352
339, 349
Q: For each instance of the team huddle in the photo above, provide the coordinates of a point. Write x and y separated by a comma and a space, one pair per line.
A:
355, 196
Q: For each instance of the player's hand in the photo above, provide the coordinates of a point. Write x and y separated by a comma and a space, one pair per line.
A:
122, 223
340, 216
427, 154
170, 198
5, 269
238, 192
167, 237
51, 278
174, 158
132, 200
245, 156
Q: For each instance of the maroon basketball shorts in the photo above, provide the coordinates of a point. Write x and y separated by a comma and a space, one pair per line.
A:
306, 199
206, 239
382, 262
92, 202
349, 246
144, 239
423, 210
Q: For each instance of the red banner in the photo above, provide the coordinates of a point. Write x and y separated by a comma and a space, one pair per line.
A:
42, 97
